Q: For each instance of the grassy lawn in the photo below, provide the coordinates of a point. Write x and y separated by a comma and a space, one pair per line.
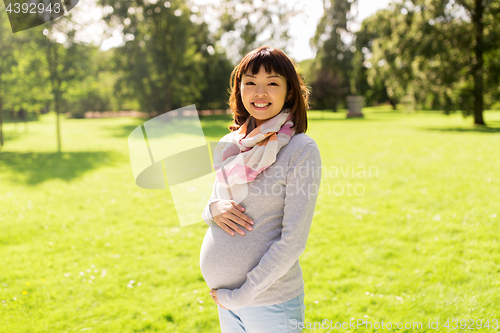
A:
410, 236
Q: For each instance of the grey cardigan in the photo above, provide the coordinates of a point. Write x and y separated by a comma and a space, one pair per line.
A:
262, 267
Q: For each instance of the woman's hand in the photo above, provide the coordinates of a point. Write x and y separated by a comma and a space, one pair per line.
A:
213, 292
227, 213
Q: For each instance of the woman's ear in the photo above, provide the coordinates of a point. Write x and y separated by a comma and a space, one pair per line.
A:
289, 96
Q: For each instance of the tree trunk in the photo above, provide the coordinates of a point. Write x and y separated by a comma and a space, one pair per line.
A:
391, 100
334, 106
53, 60
478, 66
393, 103
1, 121
58, 126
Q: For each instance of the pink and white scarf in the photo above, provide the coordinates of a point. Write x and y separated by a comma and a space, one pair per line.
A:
239, 158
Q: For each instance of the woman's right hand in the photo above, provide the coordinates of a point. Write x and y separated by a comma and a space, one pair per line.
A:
228, 213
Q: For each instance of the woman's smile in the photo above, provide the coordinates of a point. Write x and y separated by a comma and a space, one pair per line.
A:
261, 106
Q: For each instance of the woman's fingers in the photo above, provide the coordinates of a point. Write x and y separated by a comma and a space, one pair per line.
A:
228, 224
223, 223
216, 300
226, 227
229, 213
244, 220
237, 205
233, 226
213, 293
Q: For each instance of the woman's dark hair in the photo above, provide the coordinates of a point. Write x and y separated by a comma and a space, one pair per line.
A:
272, 59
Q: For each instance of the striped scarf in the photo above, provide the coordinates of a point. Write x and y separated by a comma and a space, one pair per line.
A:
239, 158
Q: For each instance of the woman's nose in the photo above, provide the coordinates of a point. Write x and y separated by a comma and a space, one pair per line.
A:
261, 90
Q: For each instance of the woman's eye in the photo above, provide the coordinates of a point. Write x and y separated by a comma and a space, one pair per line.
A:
269, 83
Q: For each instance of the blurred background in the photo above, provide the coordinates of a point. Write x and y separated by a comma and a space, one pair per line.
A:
153, 56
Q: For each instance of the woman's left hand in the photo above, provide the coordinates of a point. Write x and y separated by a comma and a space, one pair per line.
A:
213, 292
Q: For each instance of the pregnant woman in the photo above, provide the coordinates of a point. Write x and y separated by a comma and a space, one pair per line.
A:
263, 200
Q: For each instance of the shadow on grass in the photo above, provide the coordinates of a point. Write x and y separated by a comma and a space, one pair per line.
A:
495, 123
213, 126
125, 130
479, 129
365, 118
35, 168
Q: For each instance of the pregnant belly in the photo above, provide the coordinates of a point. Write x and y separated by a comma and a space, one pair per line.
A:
225, 260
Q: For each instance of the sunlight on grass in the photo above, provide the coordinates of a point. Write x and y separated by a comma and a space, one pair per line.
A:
405, 227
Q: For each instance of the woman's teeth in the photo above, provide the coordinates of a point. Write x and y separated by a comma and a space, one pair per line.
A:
261, 105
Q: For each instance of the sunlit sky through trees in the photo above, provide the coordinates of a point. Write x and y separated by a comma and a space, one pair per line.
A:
302, 27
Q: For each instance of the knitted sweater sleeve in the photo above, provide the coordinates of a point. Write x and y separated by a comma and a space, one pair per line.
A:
300, 199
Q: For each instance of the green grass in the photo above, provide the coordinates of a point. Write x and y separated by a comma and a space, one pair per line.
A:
419, 241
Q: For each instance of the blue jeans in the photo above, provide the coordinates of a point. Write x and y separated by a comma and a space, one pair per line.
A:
277, 318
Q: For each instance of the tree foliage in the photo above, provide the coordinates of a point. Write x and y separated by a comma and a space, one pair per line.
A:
246, 24
171, 58
436, 53
7, 61
334, 58
163, 62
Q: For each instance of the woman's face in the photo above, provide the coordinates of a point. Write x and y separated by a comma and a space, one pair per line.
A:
264, 94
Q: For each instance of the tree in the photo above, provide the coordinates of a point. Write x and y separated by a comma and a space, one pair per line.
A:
375, 91
438, 52
7, 61
171, 58
162, 62
482, 17
386, 49
66, 64
327, 90
333, 42
245, 23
